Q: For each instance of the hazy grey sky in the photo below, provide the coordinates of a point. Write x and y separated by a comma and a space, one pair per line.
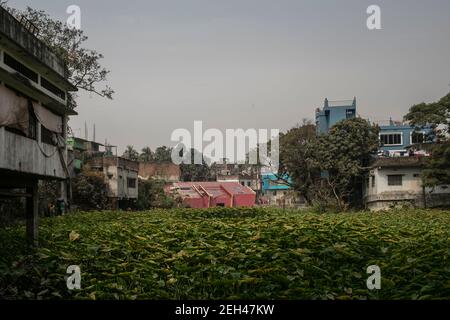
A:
254, 63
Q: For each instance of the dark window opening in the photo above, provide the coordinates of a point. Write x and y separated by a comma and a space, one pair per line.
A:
131, 183
220, 204
32, 122
373, 181
350, 113
395, 180
391, 139
417, 137
19, 67
48, 137
52, 88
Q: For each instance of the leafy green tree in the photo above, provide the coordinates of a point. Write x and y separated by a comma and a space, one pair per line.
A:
146, 155
84, 68
152, 195
327, 169
296, 152
436, 115
343, 156
163, 154
90, 190
196, 172
131, 153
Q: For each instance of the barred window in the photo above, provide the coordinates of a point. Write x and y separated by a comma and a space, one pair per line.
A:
395, 180
131, 183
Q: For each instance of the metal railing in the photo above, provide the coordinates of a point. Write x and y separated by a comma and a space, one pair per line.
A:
18, 33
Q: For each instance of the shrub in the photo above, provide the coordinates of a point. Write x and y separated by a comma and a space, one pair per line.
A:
90, 190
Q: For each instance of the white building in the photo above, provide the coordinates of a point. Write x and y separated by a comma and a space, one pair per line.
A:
397, 181
121, 176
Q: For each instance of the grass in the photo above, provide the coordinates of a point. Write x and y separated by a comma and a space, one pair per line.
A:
231, 254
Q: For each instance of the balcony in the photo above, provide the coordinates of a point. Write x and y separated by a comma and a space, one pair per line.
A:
16, 32
27, 156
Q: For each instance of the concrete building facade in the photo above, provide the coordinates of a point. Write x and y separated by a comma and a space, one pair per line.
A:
333, 112
121, 176
397, 181
34, 110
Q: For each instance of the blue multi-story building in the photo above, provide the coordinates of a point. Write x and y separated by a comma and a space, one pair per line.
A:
397, 137
333, 112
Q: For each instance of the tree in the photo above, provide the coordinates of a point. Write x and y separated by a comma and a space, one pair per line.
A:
163, 154
146, 155
195, 172
342, 157
131, 153
296, 151
152, 195
327, 169
84, 68
436, 115
90, 190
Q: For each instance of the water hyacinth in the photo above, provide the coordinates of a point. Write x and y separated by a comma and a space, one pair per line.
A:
231, 254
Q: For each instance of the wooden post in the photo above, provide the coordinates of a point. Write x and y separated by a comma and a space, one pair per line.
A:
32, 215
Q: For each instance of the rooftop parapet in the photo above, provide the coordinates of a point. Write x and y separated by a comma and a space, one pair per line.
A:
18, 33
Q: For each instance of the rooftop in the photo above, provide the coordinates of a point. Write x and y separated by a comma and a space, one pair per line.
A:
23, 37
213, 188
398, 162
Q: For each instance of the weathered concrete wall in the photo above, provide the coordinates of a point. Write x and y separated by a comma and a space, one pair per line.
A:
26, 155
168, 172
382, 196
117, 172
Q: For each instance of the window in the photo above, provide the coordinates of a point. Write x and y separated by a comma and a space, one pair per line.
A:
131, 183
417, 137
249, 183
19, 67
243, 183
52, 88
373, 181
395, 180
350, 113
48, 136
391, 139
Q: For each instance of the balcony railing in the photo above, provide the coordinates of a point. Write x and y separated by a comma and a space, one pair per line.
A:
18, 33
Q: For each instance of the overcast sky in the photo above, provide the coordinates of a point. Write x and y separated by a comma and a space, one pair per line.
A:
254, 63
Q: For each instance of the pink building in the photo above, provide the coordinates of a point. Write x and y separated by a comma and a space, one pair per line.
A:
214, 194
